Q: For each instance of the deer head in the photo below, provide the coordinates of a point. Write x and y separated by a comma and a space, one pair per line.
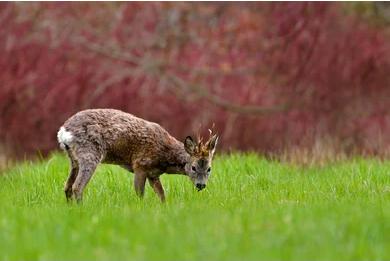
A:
198, 168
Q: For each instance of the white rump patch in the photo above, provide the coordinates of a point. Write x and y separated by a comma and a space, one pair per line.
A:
64, 137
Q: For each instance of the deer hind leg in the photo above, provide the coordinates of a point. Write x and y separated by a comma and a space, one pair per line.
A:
87, 162
72, 176
157, 187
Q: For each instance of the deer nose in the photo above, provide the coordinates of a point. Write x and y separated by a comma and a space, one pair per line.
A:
200, 186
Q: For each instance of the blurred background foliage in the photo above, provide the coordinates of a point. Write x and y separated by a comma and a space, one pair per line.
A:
271, 76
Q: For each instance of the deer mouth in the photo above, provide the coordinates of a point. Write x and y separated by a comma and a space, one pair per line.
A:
200, 187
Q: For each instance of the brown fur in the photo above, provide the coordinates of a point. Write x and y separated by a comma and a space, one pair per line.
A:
143, 147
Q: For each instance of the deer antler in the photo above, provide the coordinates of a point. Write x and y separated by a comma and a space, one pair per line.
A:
211, 130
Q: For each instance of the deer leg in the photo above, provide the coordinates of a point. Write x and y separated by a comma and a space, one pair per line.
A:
69, 182
87, 165
71, 178
157, 187
139, 183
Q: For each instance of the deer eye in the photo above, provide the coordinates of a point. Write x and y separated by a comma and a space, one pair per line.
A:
209, 169
193, 168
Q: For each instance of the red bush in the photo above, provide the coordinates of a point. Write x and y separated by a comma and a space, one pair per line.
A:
299, 71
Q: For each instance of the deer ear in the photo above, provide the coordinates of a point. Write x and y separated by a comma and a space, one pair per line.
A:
212, 143
189, 145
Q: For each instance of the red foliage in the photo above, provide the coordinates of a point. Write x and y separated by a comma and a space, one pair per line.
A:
328, 70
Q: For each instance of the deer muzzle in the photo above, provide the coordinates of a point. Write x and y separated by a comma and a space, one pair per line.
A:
200, 186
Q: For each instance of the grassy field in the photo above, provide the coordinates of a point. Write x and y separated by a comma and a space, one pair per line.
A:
252, 209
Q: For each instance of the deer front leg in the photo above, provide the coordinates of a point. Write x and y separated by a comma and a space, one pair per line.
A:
139, 183
157, 187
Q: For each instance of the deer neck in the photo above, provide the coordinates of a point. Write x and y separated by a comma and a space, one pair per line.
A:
177, 159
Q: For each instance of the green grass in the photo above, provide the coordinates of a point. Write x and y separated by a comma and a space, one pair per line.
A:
252, 209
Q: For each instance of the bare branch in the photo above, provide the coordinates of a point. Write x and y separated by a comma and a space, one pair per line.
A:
108, 52
102, 87
151, 68
218, 101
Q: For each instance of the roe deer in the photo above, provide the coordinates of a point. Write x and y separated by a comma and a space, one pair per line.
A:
111, 136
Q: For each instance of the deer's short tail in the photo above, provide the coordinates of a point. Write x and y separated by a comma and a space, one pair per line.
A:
64, 138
